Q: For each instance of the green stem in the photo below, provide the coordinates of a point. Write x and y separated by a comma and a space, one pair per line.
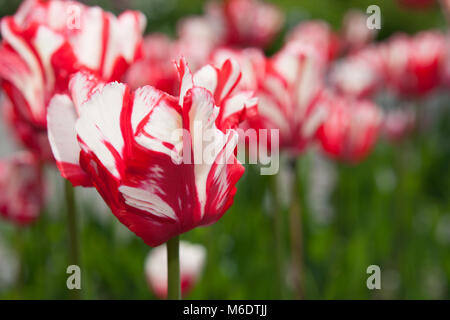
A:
20, 256
173, 269
400, 195
278, 234
353, 196
41, 237
296, 233
74, 257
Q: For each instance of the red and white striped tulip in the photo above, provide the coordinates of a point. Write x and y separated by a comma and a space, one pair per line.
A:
360, 74
253, 65
252, 62
46, 41
21, 188
351, 129
155, 68
413, 64
251, 23
36, 140
192, 261
197, 38
355, 33
123, 143
287, 93
318, 34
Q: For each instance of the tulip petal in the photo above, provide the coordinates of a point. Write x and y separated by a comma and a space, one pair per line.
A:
157, 122
222, 178
207, 78
124, 38
236, 109
99, 125
30, 84
200, 115
228, 77
186, 79
82, 86
61, 119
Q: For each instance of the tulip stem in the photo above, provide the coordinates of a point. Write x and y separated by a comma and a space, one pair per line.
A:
20, 257
278, 233
296, 234
74, 258
173, 269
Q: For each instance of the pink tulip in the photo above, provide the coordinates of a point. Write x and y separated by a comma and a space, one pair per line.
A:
192, 261
21, 188
123, 143
46, 41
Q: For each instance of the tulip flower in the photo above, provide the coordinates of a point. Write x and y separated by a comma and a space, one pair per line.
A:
36, 140
192, 261
155, 68
351, 128
252, 61
197, 38
288, 87
287, 93
251, 23
355, 34
231, 23
46, 41
195, 42
144, 151
21, 188
318, 34
130, 155
288, 98
359, 75
43, 44
413, 64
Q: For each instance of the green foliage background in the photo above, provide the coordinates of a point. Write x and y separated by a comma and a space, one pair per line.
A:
404, 230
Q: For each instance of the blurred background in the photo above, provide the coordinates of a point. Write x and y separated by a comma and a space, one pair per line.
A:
391, 210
